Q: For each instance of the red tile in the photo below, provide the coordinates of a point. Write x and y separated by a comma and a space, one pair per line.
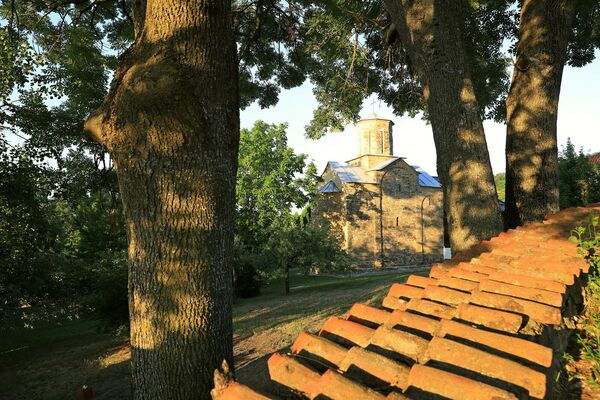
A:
320, 347
508, 344
290, 373
385, 369
445, 295
400, 342
529, 281
467, 275
495, 319
450, 352
459, 284
405, 291
482, 269
394, 303
337, 387
237, 391
538, 312
430, 308
453, 386
368, 313
538, 295
413, 321
421, 281
356, 333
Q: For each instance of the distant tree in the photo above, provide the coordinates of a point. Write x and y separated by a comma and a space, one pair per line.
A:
305, 247
500, 180
27, 243
271, 237
579, 180
272, 180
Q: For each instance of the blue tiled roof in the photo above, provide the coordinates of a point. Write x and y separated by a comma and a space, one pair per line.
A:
425, 179
329, 187
350, 174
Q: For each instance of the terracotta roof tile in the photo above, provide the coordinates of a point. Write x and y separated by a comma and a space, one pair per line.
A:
334, 386
538, 295
528, 281
400, 342
421, 281
508, 344
453, 386
413, 321
494, 319
320, 347
432, 308
461, 333
368, 313
351, 331
538, 312
457, 283
237, 391
445, 295
406, 291
289, 372
394, 303
378, 366
481, 362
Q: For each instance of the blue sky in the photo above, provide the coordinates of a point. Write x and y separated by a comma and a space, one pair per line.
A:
578, 118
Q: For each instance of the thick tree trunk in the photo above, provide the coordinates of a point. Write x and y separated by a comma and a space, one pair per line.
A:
532, 109
431, 33
171, 123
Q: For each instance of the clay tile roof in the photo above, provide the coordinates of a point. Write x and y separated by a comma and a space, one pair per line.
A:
471, 330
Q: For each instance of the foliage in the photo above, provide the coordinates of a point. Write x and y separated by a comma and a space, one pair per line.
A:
307, 248
354, 46
500, 180
269, 182
579, 180
587, 238
272, 182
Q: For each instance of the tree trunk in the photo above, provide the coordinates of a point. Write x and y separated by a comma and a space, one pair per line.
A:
286, 277
431, 33
532, 109
171, 123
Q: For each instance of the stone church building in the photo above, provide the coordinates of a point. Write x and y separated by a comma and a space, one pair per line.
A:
384, 211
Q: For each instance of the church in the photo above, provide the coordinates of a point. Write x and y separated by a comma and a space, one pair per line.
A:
384, 211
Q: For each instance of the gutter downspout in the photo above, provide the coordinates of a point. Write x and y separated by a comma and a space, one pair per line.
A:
423, 229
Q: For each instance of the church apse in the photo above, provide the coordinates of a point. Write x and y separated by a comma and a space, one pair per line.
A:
384, 211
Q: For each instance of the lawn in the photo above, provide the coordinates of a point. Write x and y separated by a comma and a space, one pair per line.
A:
52, 360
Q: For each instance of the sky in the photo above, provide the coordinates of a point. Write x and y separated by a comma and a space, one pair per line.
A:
578, 118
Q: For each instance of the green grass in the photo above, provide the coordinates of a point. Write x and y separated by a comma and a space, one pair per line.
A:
51, 360
310, 296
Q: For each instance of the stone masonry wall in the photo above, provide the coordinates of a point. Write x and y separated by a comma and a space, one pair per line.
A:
354, 216
402, 222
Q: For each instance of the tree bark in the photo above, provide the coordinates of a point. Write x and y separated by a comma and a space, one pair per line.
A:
532, 110
286, 278
171, 124
431, 33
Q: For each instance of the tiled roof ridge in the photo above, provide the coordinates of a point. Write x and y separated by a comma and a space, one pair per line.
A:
492, 327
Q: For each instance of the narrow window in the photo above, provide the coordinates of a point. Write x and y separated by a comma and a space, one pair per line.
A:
396, 221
